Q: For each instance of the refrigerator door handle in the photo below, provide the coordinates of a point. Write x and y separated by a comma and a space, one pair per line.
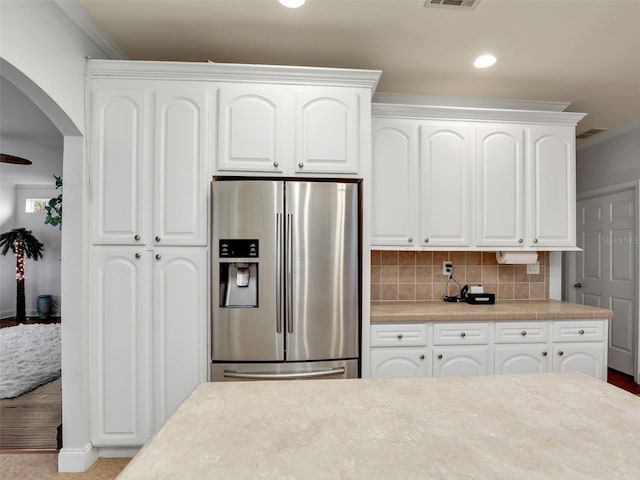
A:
279, 273
289, 287
283, 376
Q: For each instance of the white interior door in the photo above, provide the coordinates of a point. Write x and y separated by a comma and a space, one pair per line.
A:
606, 269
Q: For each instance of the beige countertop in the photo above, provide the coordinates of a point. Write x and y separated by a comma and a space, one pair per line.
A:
505, 310
535, 426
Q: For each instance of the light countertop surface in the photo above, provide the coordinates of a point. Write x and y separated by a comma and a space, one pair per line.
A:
536, 426
502, 310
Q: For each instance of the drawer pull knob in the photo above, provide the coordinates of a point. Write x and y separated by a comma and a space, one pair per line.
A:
560, 353
137, 255
463, 334
301, 165
581, 332
544, 354
426, 240
535, 240
158, 256
520, 240
422, 357
410, 239
399, 336
157, 238
275, 164
523, 333
136, 237
440, 356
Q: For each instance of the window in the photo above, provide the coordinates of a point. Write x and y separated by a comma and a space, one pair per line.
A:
35, 205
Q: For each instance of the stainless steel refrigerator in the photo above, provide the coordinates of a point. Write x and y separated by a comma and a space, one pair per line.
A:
286, 288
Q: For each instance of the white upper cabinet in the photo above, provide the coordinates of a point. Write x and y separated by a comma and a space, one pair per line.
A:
552, 187
180, 168
118, 164
289, 130
394, 178
446, 172
327, 130
148, 165
500, 185
252, 127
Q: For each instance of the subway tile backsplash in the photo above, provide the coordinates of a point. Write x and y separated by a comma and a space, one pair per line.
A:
411, 276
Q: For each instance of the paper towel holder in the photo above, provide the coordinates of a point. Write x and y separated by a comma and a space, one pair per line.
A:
516, 258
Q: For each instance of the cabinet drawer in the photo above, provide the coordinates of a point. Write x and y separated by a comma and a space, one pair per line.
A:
398, 335
520, 332
578, 331
460, 333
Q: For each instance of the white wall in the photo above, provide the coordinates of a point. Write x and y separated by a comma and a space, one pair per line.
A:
612, 161
44, 53
8, 262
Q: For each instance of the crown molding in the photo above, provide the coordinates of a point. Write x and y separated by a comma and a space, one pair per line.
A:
239, 73
82, 19
429, 112
609, 134
469, 102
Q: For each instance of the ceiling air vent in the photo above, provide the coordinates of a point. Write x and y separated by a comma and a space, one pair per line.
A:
590, 133
463, 4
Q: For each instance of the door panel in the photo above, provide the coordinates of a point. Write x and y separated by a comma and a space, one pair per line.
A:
322, 270
606, 269
248, 210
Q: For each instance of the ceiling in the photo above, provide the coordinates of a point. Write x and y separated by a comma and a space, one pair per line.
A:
578, 51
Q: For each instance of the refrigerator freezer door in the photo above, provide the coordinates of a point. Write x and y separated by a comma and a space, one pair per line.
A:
249, 210
226, 372
322, 270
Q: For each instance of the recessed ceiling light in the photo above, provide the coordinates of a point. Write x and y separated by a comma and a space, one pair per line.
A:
484, 61
292, 3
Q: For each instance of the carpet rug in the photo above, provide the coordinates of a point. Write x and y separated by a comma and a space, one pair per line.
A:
29, 357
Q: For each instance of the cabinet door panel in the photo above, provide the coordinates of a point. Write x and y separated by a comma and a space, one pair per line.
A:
327, 131
446, 169
120, 347
553, 188
500, 184
118, 165
180, 326
399, 362
394, 183
251, 129
580, 357
460, 361
180, 186
516, 359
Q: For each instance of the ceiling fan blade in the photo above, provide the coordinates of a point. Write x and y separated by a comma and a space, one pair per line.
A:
4, 158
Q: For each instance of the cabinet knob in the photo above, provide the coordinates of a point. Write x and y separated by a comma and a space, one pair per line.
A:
581, 332
275, 164
560, 353
422, 357
157, 238
410, 239
535, 240
523, 333
158, 256
520, 240
426, 240
136, 237
544, 354
439, 356
301, 165
399, 336
463, 334
137, 255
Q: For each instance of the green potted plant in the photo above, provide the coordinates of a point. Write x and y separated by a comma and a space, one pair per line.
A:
54, 207
23, 244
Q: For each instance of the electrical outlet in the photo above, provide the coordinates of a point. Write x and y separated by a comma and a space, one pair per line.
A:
533, 268
447, 267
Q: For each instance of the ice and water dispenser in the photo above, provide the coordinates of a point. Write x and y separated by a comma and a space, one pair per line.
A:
238, 273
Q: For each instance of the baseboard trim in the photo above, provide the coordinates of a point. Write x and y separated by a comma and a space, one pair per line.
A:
118, 452
77, 459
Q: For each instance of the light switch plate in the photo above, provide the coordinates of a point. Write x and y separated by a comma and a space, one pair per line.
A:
533, 269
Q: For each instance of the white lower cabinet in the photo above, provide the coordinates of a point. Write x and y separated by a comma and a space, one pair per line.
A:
453, 361
148, 338
515, 359
399, 362
491, 347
